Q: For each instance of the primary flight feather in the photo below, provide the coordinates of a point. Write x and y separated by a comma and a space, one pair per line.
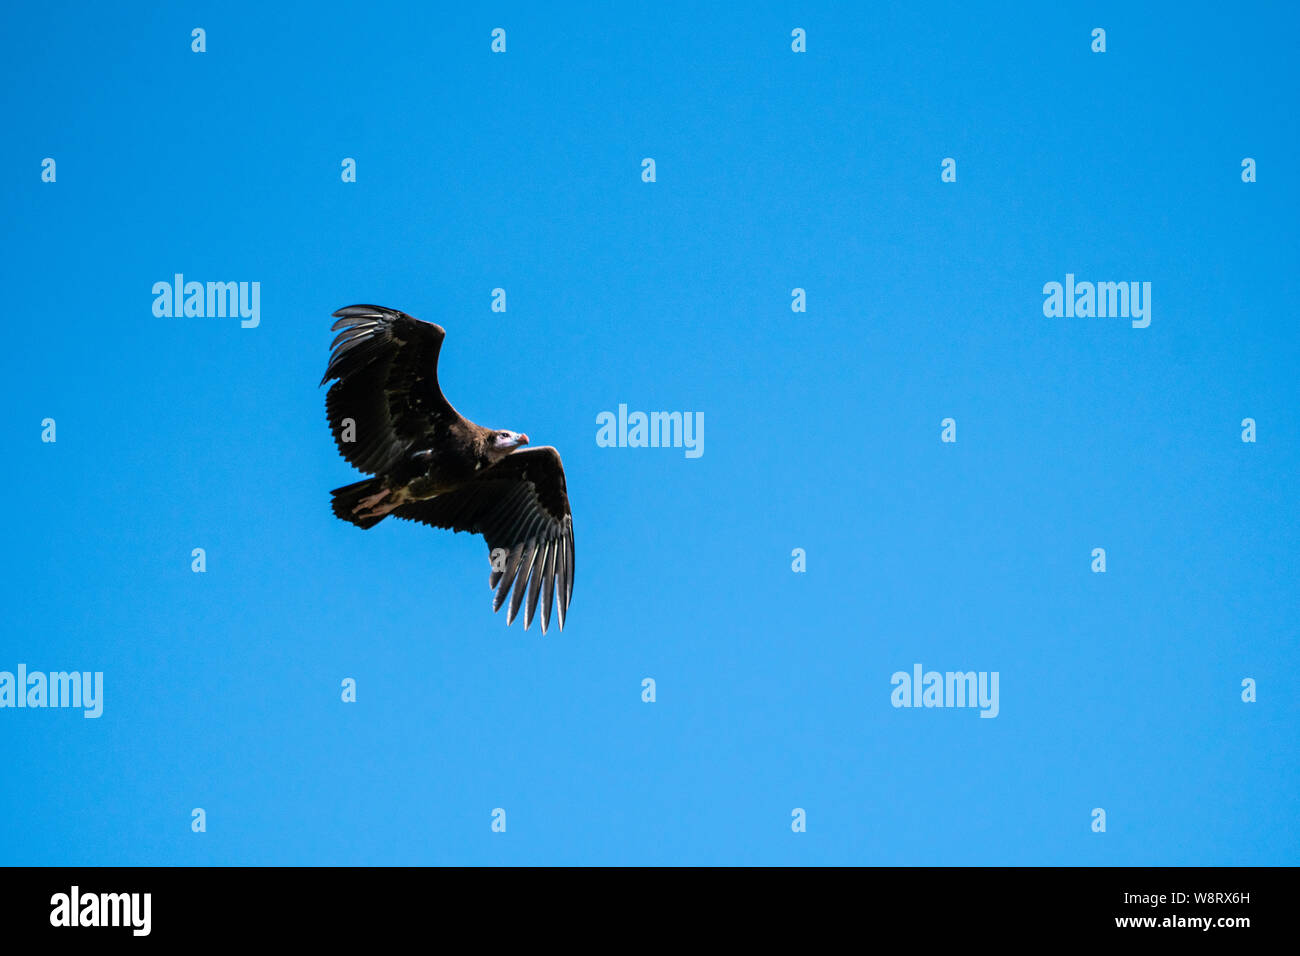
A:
430, 464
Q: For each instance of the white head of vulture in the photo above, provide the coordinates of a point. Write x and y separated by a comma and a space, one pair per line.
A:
430, 464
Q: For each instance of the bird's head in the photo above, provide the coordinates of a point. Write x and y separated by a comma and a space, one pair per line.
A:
501, 443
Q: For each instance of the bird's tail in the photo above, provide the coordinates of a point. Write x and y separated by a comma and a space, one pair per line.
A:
348, 503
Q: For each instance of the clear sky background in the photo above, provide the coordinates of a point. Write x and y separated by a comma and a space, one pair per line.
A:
776, 170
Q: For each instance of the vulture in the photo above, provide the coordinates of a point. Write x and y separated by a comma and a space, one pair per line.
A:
432, 465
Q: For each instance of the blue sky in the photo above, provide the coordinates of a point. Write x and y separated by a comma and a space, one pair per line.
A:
775, 171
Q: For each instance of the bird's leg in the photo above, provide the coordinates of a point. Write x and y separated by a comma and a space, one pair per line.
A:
369, 507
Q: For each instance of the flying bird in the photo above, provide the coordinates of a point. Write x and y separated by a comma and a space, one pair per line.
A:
431, 464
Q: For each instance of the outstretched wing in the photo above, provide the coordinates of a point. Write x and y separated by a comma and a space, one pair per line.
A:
521, 506
386, 400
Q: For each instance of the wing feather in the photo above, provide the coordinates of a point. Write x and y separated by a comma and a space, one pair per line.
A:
385, 399
548, 582
520, 504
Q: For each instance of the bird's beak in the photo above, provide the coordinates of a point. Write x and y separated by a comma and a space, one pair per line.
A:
523, 440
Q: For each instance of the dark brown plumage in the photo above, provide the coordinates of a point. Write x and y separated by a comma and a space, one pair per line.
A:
432, 465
